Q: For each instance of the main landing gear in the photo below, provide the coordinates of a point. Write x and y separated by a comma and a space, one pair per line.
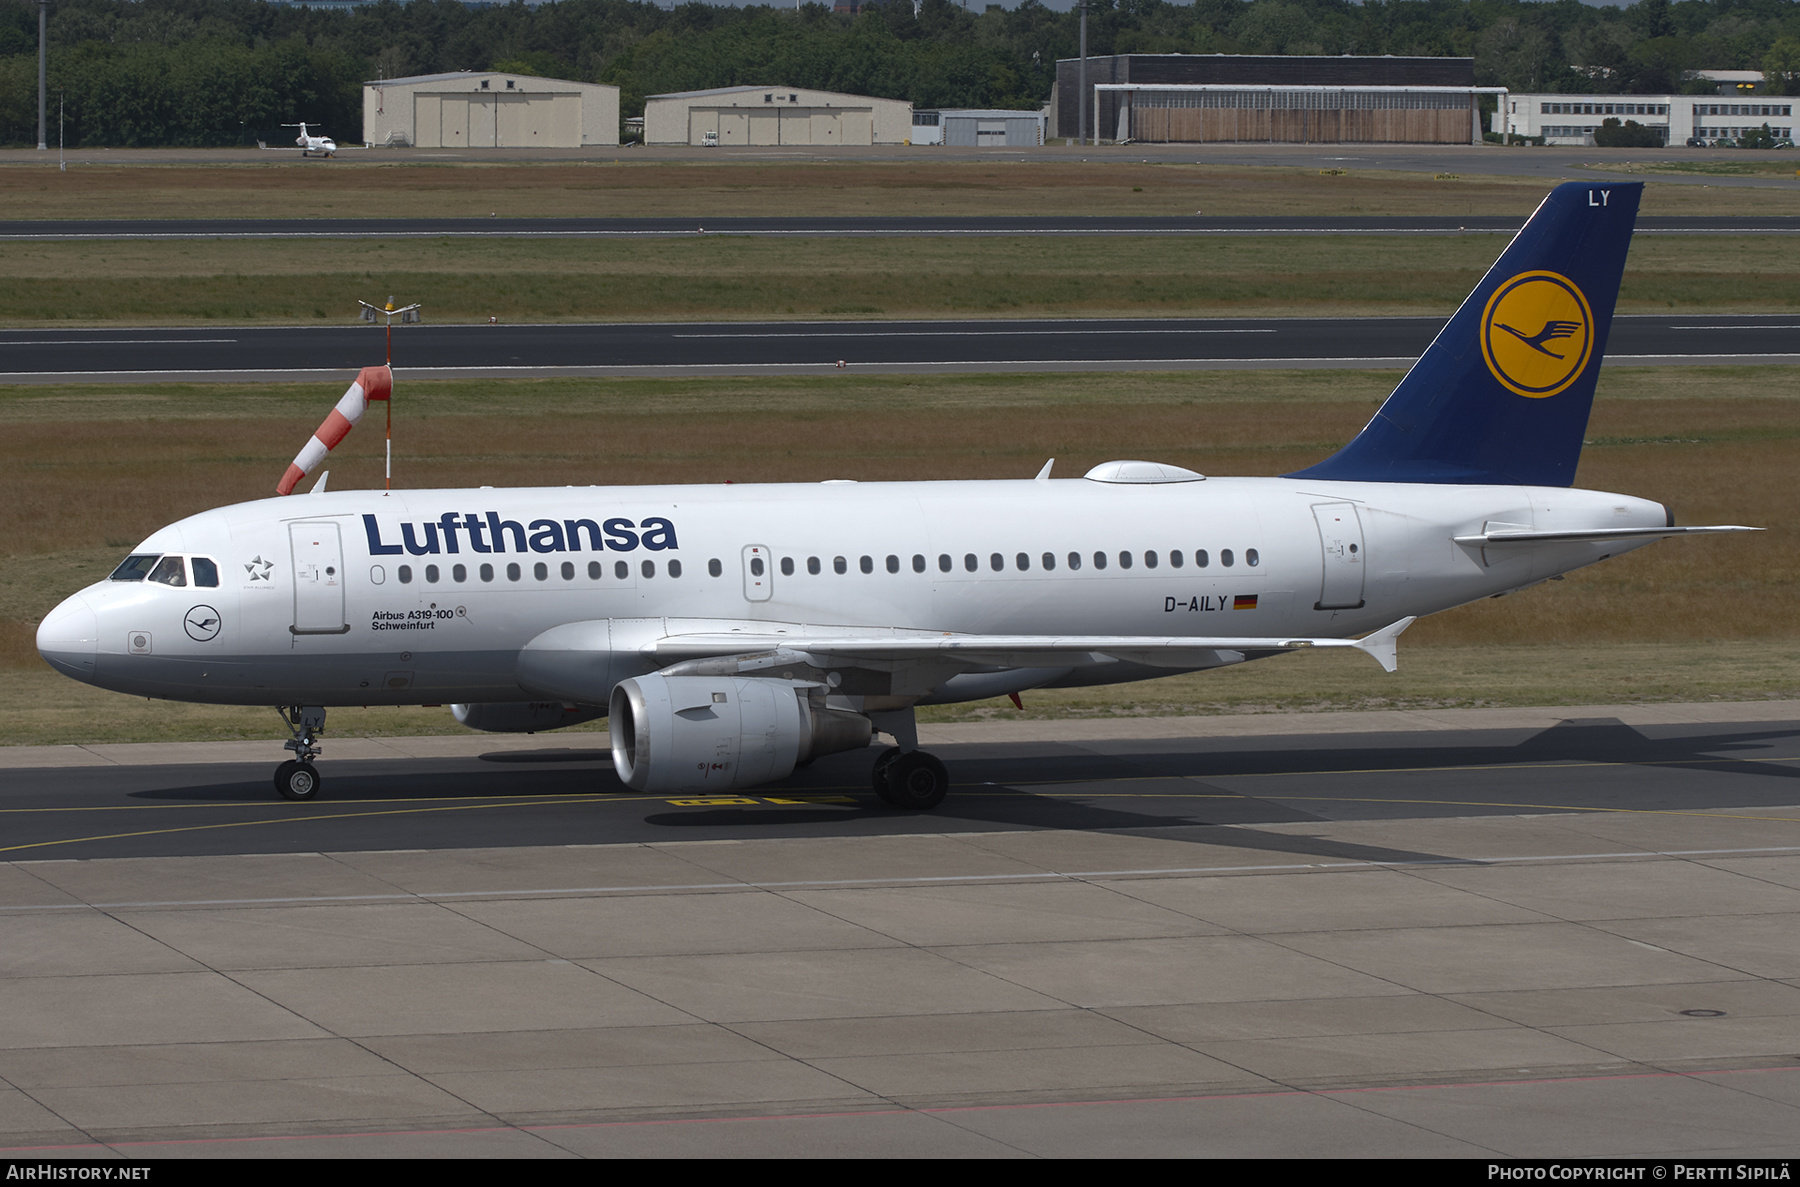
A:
298, 779
905, 776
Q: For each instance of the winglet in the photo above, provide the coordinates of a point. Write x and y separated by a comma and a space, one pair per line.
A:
1383, 646
1044, 474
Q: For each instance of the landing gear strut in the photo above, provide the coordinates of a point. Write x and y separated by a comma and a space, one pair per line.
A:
905, 776
298, 779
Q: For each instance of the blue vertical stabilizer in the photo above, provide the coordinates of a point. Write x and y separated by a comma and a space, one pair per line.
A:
1502, 394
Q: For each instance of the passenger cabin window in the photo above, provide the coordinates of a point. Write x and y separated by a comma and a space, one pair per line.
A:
206, 571
918, 563
170, 571
787, 566
812, 565
135, 567
893, 564
867, 564
675, 568
839, 565
459, 574
944, 562
1225, 557
431, 573
404, 572
714, 568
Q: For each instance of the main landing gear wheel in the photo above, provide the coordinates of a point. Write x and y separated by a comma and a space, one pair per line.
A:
297, 780
916, 781
878, 775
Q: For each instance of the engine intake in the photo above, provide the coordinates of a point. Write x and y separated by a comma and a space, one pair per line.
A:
714, 733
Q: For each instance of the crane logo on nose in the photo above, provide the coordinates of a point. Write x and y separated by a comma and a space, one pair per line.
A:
1537, 334
202, 624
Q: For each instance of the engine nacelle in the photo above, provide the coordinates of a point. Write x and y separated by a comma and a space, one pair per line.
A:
523, 717
714, 733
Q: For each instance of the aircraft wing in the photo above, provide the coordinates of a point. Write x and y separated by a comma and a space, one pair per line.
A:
1009, 651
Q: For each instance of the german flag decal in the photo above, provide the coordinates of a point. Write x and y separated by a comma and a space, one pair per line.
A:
1243, 602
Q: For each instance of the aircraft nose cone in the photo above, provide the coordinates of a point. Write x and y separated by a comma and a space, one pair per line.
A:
69, 637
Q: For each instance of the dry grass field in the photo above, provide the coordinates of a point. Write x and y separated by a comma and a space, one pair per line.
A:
1108, 184
721, 277
87, 472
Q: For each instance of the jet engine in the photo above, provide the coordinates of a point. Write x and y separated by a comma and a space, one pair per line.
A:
523, 717
713, 733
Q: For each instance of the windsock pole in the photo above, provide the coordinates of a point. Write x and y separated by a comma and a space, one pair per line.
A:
409, 314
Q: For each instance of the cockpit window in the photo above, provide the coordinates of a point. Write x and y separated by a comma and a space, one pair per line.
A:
170, 571
136, 566
206, 573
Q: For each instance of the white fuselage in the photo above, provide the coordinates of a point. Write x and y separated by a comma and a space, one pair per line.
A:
356, 597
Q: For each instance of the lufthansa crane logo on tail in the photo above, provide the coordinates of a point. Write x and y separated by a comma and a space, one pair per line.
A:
1537, 334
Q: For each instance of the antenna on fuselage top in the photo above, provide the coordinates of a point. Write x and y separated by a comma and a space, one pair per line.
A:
409, 315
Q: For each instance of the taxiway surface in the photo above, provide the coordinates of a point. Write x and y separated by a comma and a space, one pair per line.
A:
1479, 933
226, 354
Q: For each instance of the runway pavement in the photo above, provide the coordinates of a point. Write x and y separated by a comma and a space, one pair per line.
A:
1465, 933
1551, 163
815, 226
233, 354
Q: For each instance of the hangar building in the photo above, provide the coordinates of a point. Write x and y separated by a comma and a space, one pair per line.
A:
774, 115
483, 109
975, 128
1249, 98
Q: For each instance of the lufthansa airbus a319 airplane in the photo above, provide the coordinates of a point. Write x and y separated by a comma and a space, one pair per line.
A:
733, 632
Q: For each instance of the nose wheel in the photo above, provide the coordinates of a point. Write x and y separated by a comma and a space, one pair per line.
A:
297, 779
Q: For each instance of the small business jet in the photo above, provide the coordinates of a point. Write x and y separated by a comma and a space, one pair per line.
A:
734, 632
309, 144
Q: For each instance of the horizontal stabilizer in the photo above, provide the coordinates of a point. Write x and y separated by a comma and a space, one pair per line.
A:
1591, 536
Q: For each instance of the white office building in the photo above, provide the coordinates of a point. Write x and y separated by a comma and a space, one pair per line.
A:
1571, 119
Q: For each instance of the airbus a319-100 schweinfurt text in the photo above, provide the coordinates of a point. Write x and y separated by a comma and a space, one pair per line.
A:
733, 632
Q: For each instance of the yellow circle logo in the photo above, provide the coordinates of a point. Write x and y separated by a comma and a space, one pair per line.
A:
1537, 334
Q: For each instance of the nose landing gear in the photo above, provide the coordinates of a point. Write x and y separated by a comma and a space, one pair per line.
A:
298, 779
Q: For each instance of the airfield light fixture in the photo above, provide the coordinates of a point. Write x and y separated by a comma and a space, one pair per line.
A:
408, 315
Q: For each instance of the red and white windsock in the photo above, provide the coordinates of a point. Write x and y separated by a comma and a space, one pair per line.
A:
372, 383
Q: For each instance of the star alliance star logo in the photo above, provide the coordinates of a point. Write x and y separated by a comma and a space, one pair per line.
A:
258, 569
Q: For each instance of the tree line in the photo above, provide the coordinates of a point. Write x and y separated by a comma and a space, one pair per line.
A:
222, 72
